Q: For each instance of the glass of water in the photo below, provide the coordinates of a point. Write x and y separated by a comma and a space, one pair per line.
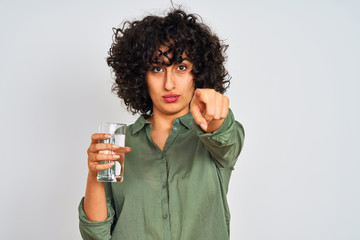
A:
117, 132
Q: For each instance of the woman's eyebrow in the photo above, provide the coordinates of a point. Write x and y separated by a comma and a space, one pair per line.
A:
186, 59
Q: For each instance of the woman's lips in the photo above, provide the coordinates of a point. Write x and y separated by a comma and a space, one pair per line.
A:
170, 98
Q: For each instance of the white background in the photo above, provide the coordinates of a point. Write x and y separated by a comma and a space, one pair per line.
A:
295, 87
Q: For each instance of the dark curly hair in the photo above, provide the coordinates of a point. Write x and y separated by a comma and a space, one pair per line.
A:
136, 47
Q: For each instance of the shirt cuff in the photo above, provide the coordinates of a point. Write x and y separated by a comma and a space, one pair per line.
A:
222, 134
95, 230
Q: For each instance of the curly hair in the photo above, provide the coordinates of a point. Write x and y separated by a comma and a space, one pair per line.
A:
136, 47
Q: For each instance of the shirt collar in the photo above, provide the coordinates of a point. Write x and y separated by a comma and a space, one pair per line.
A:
187, 120
141, 122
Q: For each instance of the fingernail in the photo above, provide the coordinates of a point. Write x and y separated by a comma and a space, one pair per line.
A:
116, 156
111, 163
108, 135
203, 126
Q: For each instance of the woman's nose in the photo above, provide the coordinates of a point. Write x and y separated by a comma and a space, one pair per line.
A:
169, 80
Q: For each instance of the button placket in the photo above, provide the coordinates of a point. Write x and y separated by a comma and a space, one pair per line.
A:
165, 215
164, 190
175, 125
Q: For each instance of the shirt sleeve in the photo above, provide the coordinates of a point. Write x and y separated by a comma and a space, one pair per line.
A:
224, 144
96, 230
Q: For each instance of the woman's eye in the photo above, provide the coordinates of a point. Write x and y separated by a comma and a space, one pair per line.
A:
156, 69
182, 67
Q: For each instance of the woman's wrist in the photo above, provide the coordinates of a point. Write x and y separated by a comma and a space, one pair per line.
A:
92, 176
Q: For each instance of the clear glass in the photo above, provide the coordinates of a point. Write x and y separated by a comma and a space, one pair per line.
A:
118, 132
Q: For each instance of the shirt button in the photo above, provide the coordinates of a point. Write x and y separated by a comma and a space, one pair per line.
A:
165, 216
174, 129
164, 185
177, 121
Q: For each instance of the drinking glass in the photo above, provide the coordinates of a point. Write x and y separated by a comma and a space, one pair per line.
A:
117, 132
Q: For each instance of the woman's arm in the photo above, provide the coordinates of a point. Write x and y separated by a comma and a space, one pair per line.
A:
95, 200
216, 127
95, 213
225, 143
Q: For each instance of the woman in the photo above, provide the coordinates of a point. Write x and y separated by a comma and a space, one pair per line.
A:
181, 150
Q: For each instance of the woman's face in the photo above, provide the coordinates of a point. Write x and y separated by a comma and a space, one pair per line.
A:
170, 87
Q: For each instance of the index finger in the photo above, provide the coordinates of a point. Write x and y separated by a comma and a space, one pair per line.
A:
197, 115
99, 136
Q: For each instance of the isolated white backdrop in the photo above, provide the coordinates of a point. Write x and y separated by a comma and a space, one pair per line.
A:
295, 87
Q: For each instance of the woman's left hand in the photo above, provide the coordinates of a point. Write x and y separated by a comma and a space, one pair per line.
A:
209, 109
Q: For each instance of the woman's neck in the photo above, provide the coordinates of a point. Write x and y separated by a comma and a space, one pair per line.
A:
161, 125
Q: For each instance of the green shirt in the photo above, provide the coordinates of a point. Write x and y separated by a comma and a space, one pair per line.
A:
178, 193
